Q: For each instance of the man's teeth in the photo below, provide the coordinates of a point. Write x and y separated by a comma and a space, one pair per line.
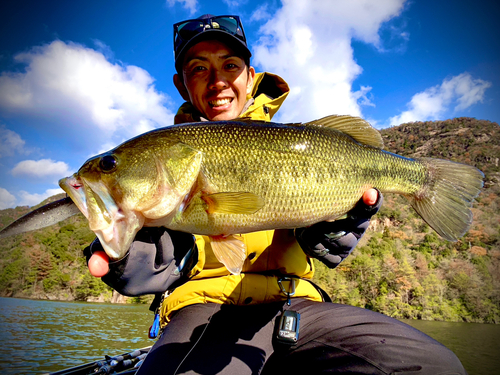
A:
219, 102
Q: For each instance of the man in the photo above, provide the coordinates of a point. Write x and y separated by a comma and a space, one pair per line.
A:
270, 319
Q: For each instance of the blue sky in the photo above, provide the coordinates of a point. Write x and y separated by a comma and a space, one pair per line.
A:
78, 78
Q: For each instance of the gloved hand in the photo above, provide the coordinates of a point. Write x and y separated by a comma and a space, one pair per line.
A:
332, 242
157, 259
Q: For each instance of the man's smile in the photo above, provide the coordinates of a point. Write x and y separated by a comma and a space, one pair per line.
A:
220, 102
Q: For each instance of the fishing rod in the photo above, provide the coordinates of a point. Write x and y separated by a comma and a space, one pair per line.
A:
124, 364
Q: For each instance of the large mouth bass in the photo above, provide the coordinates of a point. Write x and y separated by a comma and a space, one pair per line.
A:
226, 178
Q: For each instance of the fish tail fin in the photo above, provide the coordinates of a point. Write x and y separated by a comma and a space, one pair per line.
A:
446, 199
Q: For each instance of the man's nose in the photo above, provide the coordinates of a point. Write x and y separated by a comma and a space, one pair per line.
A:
216, 80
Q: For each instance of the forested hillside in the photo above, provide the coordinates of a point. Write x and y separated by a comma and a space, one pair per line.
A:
401, 267
48, 263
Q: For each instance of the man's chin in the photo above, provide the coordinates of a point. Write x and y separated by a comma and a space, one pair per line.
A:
223, 116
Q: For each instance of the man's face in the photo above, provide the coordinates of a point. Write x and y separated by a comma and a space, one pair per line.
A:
217, 81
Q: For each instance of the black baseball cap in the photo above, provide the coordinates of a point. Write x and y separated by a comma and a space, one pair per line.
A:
227, 29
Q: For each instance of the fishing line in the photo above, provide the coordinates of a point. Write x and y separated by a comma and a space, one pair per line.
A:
203, 332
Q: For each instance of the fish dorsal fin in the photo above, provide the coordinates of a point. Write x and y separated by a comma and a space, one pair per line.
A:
357, 128
230, 251
233, 203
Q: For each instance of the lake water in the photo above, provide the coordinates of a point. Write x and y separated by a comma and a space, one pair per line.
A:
41, 336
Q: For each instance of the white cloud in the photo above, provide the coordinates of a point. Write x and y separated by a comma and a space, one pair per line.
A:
191, 5
309, 44
460, 91
363, 96
232, 4
103, 48
395, 37
11, 143
41, 168
27, 199
83, 93
261, 13
7, 200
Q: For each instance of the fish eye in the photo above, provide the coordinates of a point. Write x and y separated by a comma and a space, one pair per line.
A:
108, 163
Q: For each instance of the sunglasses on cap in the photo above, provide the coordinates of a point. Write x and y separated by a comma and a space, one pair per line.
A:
186, 30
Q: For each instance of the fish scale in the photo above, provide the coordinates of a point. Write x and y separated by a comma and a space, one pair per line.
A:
299, 184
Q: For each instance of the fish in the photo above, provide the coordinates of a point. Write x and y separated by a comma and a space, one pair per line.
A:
223, 179
44, 216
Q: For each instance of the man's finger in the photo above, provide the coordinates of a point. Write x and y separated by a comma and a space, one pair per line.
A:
99, 264
370, 197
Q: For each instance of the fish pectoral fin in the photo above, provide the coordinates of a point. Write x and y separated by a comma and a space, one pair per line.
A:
233, 203
357, 128
230, 251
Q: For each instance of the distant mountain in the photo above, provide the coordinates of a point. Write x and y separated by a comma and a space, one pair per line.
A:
464, 140
400, 268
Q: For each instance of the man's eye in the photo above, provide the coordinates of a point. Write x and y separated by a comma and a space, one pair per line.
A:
231, 66
195, 69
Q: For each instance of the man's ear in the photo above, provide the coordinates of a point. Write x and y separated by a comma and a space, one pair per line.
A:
251, 76
179, 84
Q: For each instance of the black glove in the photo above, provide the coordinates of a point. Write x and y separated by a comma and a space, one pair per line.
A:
158, 259
332, 242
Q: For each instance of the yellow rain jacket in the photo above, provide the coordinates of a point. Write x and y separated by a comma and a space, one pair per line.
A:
270, 254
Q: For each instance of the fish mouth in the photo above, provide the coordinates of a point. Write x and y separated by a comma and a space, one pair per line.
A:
74, 188
114, 227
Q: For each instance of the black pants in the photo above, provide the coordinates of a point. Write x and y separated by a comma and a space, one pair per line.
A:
227, 339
